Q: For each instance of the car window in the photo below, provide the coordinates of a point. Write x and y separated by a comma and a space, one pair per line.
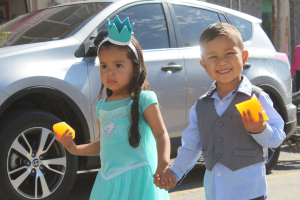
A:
223, 19
48, 24
192, 21
149, 28
244, 26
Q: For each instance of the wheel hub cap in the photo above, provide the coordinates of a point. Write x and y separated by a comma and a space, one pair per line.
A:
35, 163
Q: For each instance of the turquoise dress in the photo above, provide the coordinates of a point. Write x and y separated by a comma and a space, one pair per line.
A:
126, 172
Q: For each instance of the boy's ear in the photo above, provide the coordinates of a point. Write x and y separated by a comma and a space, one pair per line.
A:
202, 63
245, 57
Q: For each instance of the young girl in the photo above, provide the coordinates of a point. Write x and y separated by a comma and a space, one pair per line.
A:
134, 143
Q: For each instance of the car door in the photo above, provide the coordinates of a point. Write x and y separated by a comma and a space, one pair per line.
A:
165, 65
190, 21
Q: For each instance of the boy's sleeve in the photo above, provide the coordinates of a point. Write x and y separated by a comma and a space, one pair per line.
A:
191, 148
273, 135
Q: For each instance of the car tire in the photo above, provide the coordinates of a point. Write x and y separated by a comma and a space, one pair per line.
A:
33, 165
273, 156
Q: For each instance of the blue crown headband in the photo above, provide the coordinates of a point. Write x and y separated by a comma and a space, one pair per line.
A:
119, 33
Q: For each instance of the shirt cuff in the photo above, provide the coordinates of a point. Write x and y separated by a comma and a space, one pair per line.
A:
176, 173
264, 134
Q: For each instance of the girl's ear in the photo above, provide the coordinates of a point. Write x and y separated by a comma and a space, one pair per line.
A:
136, 71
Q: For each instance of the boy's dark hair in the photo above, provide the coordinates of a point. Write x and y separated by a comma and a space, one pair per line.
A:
221, 29
138, 84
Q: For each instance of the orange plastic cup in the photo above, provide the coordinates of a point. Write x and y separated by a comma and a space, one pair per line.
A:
254, 106
61, 127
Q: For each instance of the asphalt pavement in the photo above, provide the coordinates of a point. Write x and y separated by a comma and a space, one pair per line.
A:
283, 182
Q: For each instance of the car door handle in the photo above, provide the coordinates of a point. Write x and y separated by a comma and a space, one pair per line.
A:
169, 67
247, 66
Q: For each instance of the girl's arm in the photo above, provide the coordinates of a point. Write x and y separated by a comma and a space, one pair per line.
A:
154, 119
90, 149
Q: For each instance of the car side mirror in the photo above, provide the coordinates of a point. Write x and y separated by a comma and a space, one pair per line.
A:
247, 66
101, 35
92, 51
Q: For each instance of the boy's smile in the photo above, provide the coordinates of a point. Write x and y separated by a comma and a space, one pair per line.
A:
223, 60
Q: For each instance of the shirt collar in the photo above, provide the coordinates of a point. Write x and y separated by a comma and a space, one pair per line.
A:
244, 87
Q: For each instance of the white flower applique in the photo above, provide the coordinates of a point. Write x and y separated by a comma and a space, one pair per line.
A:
109, 128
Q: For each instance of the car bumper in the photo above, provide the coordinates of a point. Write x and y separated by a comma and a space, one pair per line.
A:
290, 128
291, 120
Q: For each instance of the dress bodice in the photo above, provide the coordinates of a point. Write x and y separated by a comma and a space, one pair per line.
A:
117, 155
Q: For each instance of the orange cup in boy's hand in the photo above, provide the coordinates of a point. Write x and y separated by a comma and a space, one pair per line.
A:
61, 127
254, 106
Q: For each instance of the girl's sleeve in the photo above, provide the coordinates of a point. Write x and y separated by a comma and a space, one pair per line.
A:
97, 113
146, 99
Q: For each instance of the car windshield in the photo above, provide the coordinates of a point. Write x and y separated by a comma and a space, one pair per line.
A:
49, 24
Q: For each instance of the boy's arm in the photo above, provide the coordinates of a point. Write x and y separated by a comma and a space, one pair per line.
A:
191, 148
273, 135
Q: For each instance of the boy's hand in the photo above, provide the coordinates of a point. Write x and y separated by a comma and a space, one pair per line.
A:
67, 141
251, 125
165, 180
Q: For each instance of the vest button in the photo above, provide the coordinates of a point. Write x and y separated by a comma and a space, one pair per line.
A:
220, 124
218, 156
220, 139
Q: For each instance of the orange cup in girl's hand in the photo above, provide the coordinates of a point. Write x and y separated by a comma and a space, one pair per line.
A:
61, 127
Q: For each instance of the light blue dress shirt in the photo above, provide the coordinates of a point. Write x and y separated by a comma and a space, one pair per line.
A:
221, 183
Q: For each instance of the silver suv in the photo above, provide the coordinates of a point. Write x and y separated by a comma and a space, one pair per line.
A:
49, 72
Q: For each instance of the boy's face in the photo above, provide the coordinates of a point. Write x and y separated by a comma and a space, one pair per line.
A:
223, 60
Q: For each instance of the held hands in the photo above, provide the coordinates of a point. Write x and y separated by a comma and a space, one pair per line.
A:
251, 125
67, 141
165, 179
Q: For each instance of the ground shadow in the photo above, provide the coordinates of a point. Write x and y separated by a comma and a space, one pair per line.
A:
83, 186
194, 179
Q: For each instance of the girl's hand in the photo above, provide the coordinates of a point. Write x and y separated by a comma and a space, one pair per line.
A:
165, 179
67, 141
251, 125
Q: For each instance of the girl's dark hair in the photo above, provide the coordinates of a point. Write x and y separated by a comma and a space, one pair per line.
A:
138, 84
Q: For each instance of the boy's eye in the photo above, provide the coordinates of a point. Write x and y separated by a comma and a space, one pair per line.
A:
103, 66
119, 65
230, 53
212, 57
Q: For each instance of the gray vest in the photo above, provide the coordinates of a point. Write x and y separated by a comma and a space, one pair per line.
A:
224, 139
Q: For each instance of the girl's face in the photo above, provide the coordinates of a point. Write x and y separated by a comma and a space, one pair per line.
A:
116, 70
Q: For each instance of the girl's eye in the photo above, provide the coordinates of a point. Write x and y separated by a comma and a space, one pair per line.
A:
119, 65
103, 66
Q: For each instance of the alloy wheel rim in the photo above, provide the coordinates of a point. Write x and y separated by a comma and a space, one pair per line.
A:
36, 163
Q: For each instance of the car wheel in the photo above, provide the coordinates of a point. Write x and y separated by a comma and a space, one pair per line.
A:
33, 165
273, 155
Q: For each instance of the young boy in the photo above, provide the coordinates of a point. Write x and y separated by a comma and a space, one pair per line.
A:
232, 144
